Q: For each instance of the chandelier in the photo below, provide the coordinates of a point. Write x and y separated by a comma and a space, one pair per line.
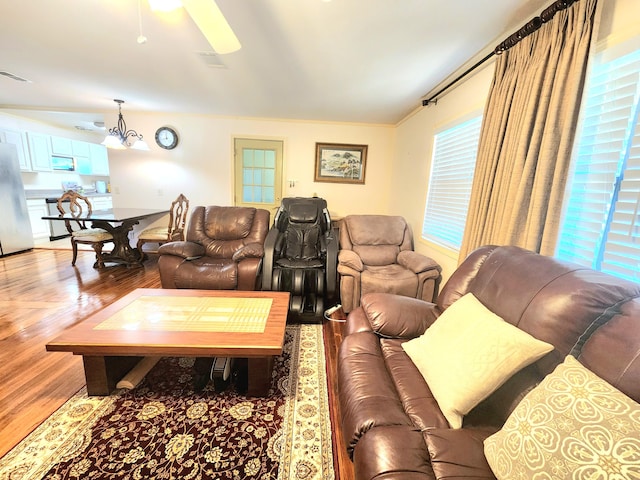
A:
118, 136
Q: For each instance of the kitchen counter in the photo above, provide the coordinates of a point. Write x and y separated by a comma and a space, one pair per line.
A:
53, 193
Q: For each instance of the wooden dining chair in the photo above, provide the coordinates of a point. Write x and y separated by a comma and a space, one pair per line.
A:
79, 206
171, 233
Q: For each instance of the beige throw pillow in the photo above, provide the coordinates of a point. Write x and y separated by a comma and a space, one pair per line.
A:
468, 353
572, 425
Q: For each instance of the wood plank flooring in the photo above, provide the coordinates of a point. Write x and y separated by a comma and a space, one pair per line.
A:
41, 294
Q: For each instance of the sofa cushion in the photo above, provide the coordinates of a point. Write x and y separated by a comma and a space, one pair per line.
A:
391, 278
376, 229
572, 425
458, 453
468, 353
622, 336
378, 455
368, 396
377, 255
228, 223
207, 273
414, 393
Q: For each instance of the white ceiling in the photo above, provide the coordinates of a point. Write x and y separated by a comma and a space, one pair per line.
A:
342, 60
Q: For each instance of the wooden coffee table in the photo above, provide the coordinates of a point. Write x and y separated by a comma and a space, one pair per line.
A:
179, 323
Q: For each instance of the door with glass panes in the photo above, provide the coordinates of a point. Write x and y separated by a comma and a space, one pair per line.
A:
258, 173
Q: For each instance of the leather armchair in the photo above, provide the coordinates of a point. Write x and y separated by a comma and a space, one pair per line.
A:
223, 250
376, 255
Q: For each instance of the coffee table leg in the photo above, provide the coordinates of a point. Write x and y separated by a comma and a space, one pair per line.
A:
103, 373
259, 376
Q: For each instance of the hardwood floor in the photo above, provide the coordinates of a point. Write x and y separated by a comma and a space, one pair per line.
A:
41, 294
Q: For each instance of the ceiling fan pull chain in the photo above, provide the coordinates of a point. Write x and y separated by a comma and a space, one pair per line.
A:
141, 38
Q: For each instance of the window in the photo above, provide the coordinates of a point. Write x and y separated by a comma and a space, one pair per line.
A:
601, 226
452, 167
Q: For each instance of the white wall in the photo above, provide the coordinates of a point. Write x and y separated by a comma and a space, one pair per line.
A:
201, 166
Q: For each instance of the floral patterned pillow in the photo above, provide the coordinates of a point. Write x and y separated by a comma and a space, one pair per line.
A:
573, 425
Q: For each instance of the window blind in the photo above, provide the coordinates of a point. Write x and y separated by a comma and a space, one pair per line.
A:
599, 227
452, 167
621, 255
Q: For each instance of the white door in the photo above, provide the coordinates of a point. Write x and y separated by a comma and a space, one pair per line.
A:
258, 173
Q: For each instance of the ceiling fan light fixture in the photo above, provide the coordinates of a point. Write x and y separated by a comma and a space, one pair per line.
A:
211, 22
164, 5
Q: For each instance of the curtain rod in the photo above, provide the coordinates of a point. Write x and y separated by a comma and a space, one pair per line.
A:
530, 27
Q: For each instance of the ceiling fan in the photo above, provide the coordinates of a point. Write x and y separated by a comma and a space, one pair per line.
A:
207, 16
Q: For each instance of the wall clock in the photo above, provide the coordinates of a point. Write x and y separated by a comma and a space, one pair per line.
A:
167, 137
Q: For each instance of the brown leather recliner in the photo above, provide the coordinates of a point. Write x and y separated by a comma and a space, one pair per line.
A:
223, 250
376, 255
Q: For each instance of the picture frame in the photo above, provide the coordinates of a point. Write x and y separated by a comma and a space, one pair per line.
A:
340, 163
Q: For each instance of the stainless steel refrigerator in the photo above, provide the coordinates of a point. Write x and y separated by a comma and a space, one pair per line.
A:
15, 227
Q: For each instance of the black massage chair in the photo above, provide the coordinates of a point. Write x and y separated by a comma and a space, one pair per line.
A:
300, 256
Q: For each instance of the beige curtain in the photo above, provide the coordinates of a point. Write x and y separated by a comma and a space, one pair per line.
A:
527, 135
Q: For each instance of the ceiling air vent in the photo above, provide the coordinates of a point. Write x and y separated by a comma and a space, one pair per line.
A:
14, 77
211, 59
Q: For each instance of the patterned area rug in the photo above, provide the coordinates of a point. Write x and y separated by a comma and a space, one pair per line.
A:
164, 430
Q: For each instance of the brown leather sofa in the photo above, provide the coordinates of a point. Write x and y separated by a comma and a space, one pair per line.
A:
223, 250
393, 426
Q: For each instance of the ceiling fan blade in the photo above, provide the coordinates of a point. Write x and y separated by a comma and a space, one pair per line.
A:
213, 25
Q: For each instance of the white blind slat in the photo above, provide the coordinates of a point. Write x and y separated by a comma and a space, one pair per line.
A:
601, 226
452, 167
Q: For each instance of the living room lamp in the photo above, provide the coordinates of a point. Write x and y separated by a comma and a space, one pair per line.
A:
118, 136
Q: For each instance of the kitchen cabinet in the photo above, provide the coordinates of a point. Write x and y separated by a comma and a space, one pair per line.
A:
82, 154
61, 146
99, 159
39, 151
83, 166
101, 202
18, 139
37, 209
80, 149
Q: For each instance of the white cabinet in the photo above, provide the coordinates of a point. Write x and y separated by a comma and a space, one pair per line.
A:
61, 146
99, 159
18, 139
101, 203
83, 166
35, 151
39, 151
82, 154
38, 209
80, 149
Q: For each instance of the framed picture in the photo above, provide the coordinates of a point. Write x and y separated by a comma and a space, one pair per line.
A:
340, 163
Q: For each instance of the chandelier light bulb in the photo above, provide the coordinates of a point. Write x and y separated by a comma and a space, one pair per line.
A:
118, 136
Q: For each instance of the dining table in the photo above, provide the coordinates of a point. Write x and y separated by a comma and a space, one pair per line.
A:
118, 222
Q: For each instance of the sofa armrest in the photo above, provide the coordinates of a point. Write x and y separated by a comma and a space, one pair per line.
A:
349, 258
250, 250
458, 453
416, 262
396, 316
186, 250
357, 322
